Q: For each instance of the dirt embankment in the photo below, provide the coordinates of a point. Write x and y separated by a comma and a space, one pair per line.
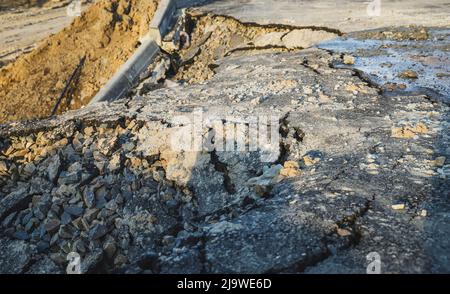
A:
106, 34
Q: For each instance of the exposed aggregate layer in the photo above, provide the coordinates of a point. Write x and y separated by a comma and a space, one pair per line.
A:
357, 172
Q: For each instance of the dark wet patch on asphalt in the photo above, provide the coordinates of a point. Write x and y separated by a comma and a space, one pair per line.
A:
401, 66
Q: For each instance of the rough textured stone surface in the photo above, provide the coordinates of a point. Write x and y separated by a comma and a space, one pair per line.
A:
16, 256
319, 204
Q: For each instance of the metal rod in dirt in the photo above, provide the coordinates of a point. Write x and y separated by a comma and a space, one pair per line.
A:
66, 87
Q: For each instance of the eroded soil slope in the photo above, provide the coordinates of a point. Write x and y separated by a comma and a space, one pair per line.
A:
106, 34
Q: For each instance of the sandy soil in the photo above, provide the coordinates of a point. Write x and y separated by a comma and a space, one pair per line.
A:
106, 34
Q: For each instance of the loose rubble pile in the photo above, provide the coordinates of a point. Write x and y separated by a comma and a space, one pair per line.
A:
78, 187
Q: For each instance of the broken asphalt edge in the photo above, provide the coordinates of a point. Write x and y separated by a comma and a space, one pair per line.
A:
126, 77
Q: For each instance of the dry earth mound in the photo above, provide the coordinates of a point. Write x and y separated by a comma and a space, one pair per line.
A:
106, 34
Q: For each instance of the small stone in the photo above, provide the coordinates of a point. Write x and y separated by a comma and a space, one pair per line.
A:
53, 168
65, 246
75, 199
309, 160
409, 131
168, 240
8, 220
348, 59
114, 162
408, 74
92, 261
440, 161
131, 124
75, 167
112, 205
148, 260
66, 232
55, 210
78, 224
27, 218
128, 147
66, 191
444, 172
400, 206
65, 218
13, 199
423, 213
89, 198
100, 202
52, 225
42, 246
120, 260
290, 169
97, 231
68, 178
54, 239
91, 214
29, 169
172, 204
61, 143
110, 247
263, 190
355, 89
74, 210
21, 235
85, 225
343, 232
30, 224
79, 246
88, 131
42, 231
3, 167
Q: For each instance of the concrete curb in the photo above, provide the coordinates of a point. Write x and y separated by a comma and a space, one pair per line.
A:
160, 24
128, 75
